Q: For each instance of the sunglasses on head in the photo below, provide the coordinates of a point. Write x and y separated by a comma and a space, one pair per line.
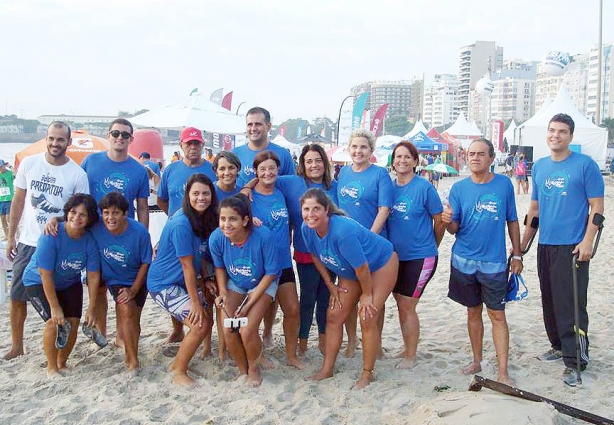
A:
116, 133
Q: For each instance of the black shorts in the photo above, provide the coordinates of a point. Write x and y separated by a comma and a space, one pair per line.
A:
140, 298
70, 299
414, 275
471, 290
287, 276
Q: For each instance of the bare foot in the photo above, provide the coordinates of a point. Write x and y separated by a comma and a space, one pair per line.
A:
321, 375
12, 354
54, 374
119, 342
295, 362
205, 352
134, 366
266, 363
407, 363
504, 378
302, 347
471, 368
184, 380
381, 354
365, 379
350, 350
254, 377
267, 341
322, 343
399, 355
175, 337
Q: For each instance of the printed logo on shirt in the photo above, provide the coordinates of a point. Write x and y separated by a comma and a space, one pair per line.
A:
279, 212
401, 208
556, 184
241, 267
116, 253
487, 207
329, 258
74, 263
115, 182
249, 171
351, 192
179, 191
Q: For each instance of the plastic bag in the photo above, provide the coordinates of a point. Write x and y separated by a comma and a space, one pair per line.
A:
516, 288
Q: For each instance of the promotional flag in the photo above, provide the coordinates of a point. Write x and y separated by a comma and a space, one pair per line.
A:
194, 91
344, 126
299, 130
359, 107
227, 101
378, 120
282, 130
496, 130
216, 96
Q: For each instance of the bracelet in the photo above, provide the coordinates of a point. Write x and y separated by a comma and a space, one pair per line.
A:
517, 257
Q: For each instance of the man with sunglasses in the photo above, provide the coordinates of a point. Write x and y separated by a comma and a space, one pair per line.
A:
115, 171
43, 184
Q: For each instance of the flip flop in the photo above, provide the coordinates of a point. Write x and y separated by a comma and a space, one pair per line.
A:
62, 333
94, 334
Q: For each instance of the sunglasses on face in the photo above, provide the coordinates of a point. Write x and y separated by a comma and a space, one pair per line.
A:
116, 133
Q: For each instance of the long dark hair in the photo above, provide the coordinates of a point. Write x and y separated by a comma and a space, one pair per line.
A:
202, 224
327, 178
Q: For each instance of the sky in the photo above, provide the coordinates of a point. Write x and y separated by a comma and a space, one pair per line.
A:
298, 59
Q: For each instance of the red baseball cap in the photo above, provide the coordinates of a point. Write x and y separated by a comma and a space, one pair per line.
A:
191, 133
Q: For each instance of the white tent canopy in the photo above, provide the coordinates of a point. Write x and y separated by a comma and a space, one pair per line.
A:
592, 140
194, 111
463, 130
388, 140
285, 143
510, 134
418, 127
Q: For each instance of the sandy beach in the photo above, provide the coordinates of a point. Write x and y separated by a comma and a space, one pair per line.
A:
97, 391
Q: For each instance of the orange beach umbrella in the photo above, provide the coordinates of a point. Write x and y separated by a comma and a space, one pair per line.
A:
82, 145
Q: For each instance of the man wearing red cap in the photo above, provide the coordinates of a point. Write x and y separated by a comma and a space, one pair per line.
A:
172, 188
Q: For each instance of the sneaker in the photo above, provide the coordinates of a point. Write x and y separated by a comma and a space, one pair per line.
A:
570, 377
551, 355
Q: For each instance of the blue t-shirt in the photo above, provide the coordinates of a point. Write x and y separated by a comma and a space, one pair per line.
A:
293, 188
563, 189
127, 177
65, 256
273, 212
360, 194
347, 246
482, 210
122, 255
177, 240
221, 194
248, 264
174, 177
247, 155
153, 166
410, 223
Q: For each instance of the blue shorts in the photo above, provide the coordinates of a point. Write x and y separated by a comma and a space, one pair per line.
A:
270, 291
176, 301
5, 207
475, 282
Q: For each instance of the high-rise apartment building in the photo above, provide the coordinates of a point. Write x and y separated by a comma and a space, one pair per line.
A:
475, 60
440, 104
576, 83
399, 95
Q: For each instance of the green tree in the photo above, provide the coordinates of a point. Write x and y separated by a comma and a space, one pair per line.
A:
609, 124
323, 123
124, 114
292, 126
397, 125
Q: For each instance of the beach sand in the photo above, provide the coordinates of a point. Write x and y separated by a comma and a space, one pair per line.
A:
97, 391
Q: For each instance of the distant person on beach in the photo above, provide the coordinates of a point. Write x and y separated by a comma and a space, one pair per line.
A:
568, 190
172, 277
416, 211
125, 255
520, 174
172, 189
116, 171
176, 156
145, 160
258, 122
209, 155
153, 173
6, 195
43, 184
479, 208
366, 266
247, 269
52, 280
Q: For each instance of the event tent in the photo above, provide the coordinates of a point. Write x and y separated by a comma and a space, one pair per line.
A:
425, 144
463, 130
588, 138
285, 143
418, 127
510, 134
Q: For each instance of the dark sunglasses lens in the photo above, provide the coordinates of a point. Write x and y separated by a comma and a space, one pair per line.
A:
117, 133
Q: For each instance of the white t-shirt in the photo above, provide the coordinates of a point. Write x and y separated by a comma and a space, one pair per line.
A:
47, 187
